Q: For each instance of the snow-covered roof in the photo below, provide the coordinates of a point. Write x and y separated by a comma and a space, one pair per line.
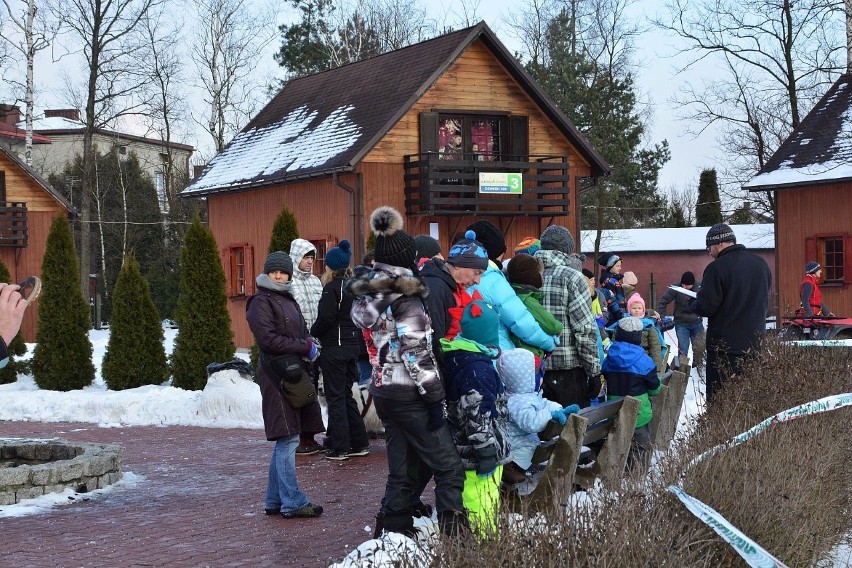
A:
819, 150
681, 239
56, 123
327, 122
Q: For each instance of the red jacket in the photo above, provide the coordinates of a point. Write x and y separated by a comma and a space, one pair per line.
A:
815, 301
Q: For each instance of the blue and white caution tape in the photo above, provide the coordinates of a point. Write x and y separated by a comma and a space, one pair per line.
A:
815, 407
752, 553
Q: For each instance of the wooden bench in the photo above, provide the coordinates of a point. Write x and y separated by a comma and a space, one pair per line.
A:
667, 406
613, 422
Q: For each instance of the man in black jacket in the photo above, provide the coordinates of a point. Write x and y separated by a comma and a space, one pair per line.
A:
734, 297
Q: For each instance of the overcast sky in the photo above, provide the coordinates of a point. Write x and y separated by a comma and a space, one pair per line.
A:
656, 80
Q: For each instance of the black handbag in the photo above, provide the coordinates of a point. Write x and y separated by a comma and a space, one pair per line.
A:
288, 366
293, 380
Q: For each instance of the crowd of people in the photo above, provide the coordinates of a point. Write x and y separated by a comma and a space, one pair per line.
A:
468, 355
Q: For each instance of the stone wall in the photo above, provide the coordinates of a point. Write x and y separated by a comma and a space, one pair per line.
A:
30, 467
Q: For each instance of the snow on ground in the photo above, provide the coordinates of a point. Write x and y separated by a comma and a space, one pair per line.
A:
228, 400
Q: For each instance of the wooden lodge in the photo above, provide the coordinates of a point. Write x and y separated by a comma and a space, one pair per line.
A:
28, 206
448, 131
810, 178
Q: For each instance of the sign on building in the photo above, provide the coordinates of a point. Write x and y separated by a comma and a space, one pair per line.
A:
494, 182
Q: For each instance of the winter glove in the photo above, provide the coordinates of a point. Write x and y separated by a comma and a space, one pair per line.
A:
487, 458
437, 415
313, 350
561, 415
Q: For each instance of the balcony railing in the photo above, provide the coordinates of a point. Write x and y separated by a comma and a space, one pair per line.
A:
13, 224
435, 185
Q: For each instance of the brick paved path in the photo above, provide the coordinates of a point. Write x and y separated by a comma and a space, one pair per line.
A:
200, 504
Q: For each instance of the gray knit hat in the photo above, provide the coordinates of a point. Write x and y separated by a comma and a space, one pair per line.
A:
720, 233
557, 237
811, 267
630, 330
278, 260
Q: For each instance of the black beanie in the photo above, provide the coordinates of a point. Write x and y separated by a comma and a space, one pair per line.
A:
278, 260
629, 329
720, 233
491, 238
393, 245
687, 278
427, 247
524, 269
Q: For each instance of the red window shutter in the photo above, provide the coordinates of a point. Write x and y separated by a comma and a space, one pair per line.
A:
847, 259
810, 249
226, 266
248, 258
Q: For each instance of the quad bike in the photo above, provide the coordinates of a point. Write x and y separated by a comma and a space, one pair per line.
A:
816, 327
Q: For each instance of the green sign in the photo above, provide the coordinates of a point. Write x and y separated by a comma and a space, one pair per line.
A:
492, 182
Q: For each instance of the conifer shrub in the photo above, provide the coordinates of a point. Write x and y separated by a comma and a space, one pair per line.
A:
284, 231
16, 348
254, 359
708, 209
204, 326
135, 355
62, 359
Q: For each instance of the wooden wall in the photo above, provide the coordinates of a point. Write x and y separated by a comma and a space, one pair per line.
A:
42, 209
803, 213
321, 211
478, 82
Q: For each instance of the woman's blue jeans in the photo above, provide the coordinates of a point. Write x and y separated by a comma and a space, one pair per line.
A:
282, 490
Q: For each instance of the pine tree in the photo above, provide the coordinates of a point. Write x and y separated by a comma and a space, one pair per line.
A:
63, 354
284, 231
205, 327
135, 354
708, 209
17, 347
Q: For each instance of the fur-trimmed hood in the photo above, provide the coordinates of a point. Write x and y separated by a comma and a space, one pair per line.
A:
387, 280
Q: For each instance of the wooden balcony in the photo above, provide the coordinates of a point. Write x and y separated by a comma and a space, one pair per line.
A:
435, 185
13, 224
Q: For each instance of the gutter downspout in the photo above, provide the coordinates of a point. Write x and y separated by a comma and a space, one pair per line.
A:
356, 228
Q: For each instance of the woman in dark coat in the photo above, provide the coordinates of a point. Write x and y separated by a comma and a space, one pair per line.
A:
279, 328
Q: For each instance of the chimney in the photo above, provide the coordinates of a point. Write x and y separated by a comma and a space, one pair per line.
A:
10, 114
69, 113
196, 170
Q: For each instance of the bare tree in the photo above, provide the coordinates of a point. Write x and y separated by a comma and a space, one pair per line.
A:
36, 31
165, 101
228, 45
112, 46
775, 59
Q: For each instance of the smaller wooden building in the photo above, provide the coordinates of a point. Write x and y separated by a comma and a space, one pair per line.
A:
810, 178
28, 206
448, 131
658, 257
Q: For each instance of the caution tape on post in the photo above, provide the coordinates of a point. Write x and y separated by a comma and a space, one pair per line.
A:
750, 551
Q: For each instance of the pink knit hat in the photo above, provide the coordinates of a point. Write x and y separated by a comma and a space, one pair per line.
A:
630, 278
635, 298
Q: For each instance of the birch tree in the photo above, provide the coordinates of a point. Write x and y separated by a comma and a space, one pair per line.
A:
30, 31
112, 46
230, 38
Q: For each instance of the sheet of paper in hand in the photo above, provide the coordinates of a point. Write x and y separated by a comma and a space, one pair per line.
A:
683, 290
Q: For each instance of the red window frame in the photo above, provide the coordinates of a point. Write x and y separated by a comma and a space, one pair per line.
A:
238, 263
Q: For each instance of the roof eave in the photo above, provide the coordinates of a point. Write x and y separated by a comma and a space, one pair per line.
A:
796, 184
41, 181
253, 185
